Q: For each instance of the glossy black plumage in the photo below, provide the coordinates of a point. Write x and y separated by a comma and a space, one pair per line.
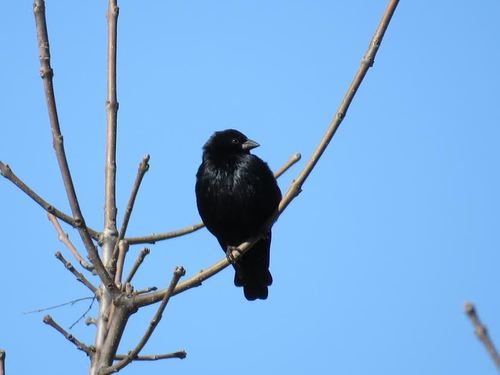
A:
236, 193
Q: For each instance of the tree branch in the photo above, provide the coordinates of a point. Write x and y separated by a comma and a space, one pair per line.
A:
482, 333
137, 263
106, 344
122, 252
6, 172
81, 346
296, 186
153, 238
111, 120
79, 276
141, 171
47, 74
178, 273
154, 357
64, 238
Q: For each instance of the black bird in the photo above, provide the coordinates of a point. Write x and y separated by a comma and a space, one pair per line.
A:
236, 193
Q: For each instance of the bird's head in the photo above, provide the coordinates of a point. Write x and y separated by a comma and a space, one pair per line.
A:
229, 142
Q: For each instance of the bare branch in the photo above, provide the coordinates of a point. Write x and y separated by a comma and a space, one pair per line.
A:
6, 172
293, 159
178, 273
141, 171
296, 186
111, 120
64, 238
2, 362
79, 276
137, 263
482, 333
81, 346
70, 303
122, 251
143, 168
366, 63
84, 314
47, 74
153, 238
154, 357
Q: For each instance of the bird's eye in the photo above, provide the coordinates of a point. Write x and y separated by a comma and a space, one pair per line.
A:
235, 141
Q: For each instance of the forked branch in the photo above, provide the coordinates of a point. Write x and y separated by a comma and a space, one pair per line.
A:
178, 273
47, 74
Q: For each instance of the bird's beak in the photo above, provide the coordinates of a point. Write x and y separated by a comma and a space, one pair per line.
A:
249, 144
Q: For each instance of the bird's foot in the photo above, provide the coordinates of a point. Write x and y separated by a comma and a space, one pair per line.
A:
229, 253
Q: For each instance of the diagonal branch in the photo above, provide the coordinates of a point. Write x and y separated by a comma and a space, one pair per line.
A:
141, 171
152, 238
64, 238
143, 168
6, 172
137, 263
80, 345
178, 273
296, 186
79, 276
47, 74
482, 333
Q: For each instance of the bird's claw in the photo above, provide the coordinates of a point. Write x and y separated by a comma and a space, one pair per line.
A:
229, 254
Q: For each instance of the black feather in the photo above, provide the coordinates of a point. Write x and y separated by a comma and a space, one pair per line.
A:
236, 193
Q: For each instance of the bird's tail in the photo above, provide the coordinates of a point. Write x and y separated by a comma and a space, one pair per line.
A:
252, 270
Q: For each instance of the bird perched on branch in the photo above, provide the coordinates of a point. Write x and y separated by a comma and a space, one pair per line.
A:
236, 193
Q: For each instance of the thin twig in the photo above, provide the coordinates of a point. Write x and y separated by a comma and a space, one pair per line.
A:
80, 345
293, 159
153, 238
482, 333
178, 273
7, 172
64, 238
47, 74
84, 314
71, 303
296, 186
154, 357
141, 171
2, 362
137, 263
79, 276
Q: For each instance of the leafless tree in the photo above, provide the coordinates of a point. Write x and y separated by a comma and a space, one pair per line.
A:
106, 249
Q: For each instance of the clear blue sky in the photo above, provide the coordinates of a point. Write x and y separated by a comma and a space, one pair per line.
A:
395, 229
